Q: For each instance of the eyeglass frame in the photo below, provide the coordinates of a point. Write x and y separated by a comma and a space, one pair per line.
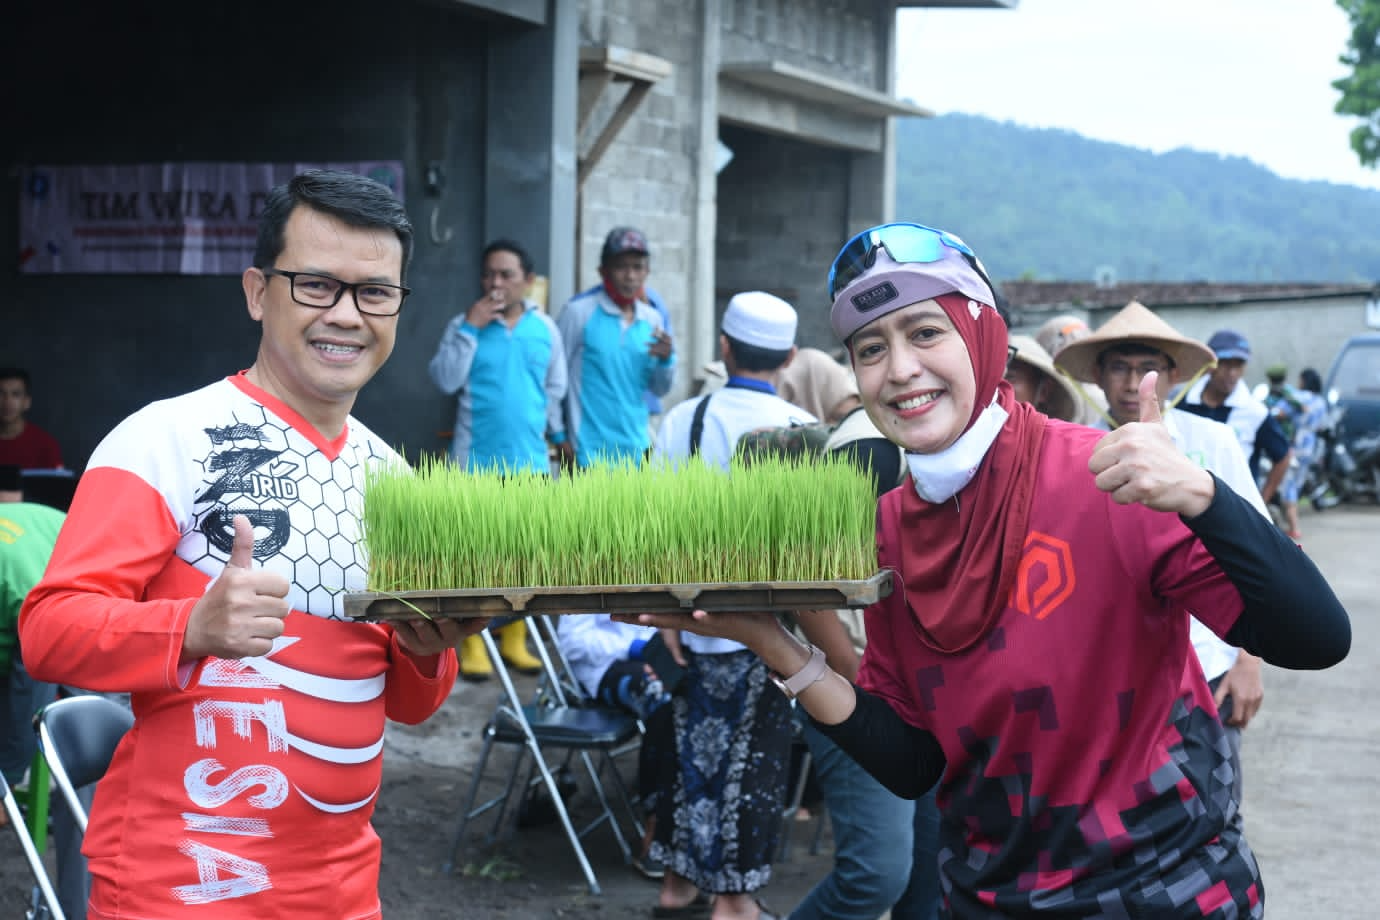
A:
351, 286
945, 239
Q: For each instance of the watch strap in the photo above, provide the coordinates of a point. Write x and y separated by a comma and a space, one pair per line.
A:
812, 673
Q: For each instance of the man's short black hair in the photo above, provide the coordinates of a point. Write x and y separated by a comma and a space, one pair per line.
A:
507, 245
1133, 348
357, 200
17, 373
754, 358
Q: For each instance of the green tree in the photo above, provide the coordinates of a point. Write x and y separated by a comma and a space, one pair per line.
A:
1361, 89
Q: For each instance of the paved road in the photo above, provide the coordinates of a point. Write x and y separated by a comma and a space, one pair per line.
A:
1312, 756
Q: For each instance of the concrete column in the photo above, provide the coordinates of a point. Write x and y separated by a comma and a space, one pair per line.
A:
530, 156
699, 345
872, 176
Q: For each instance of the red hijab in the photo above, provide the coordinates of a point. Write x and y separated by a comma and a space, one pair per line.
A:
958, 559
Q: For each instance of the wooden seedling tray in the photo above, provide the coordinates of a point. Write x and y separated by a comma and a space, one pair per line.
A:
774, 596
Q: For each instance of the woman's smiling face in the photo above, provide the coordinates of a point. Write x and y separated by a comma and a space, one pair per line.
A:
915, 377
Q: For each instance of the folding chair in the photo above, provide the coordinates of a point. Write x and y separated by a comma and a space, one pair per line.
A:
543, 628
551, 722
49, 906
78, 735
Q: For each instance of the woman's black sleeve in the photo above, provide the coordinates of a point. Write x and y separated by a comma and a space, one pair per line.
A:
905, 759
1292, 618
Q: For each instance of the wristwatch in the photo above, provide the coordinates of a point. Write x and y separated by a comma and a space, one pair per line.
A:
811, 674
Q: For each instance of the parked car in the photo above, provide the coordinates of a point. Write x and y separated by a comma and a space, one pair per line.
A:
1350, 467
1353, 385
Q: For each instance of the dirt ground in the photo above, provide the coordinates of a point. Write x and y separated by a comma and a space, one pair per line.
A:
533, 873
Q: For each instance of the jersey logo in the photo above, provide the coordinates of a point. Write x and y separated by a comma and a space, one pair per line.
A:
219, 528
239, 476
236, 432
1045, 578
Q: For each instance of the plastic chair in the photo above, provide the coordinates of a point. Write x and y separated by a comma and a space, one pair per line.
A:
77, 736
49, 906
550, 723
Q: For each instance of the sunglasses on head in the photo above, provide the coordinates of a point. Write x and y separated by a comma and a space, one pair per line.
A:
904, 242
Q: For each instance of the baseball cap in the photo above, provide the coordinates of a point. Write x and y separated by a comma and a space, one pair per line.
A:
621, 240
1228, 344
760, 319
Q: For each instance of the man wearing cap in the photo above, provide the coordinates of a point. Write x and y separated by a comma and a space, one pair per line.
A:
1128, 346
1033, 377
743, 782
616, 348
1223, 397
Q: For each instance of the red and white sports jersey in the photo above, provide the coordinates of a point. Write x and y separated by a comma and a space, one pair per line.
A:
245, 788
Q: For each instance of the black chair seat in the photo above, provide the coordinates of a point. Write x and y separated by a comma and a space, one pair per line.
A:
562, 726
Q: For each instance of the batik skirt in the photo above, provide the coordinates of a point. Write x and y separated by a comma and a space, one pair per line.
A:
720, 823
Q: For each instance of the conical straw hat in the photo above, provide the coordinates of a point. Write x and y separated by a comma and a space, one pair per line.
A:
1063, 401
1133, 324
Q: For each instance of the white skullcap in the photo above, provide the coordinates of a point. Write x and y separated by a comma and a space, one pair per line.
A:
760, 319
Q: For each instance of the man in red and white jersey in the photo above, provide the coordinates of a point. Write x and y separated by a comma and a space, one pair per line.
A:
202, 568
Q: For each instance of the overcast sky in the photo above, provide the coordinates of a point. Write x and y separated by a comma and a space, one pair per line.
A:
1249, 78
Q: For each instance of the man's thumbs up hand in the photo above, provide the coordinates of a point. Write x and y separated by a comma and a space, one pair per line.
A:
1139, 462
242, 550
1150, 398
242, 612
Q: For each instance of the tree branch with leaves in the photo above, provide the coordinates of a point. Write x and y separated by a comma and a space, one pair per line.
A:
1361, 88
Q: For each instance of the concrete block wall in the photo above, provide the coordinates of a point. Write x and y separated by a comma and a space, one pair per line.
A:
837, 38
782, 204
792, 202
645, 178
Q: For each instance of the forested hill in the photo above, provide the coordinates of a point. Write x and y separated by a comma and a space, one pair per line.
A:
1053, 205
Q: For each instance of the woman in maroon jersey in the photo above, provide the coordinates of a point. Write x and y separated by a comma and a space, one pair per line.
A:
1033, 656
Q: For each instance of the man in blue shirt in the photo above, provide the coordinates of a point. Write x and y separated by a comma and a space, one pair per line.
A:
617, 347
504, 360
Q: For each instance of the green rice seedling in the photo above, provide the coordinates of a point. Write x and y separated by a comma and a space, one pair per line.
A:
439, 527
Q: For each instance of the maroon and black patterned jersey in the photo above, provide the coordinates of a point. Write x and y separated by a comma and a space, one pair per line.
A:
1087, 772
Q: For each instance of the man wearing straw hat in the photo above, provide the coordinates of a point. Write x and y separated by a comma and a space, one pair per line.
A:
1032, 375
1128, 346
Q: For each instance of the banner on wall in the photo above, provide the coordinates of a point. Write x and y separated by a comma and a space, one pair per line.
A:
155, 218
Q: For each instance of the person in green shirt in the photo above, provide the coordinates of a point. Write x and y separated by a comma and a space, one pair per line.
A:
27, 534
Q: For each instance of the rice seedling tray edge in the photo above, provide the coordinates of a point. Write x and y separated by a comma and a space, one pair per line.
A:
717, 597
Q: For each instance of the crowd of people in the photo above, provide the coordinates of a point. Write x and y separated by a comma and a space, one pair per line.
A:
977, 753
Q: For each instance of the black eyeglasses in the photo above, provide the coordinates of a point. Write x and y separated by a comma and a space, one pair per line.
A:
323, 292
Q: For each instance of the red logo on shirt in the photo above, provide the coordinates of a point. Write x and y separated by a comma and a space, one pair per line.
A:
1045, 578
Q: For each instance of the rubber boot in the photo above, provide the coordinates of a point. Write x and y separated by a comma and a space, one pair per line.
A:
512, 645
474, 660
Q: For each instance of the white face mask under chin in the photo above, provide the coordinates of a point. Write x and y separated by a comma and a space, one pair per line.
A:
939, 477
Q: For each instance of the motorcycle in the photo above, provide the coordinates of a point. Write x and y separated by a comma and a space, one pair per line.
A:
1347, 468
